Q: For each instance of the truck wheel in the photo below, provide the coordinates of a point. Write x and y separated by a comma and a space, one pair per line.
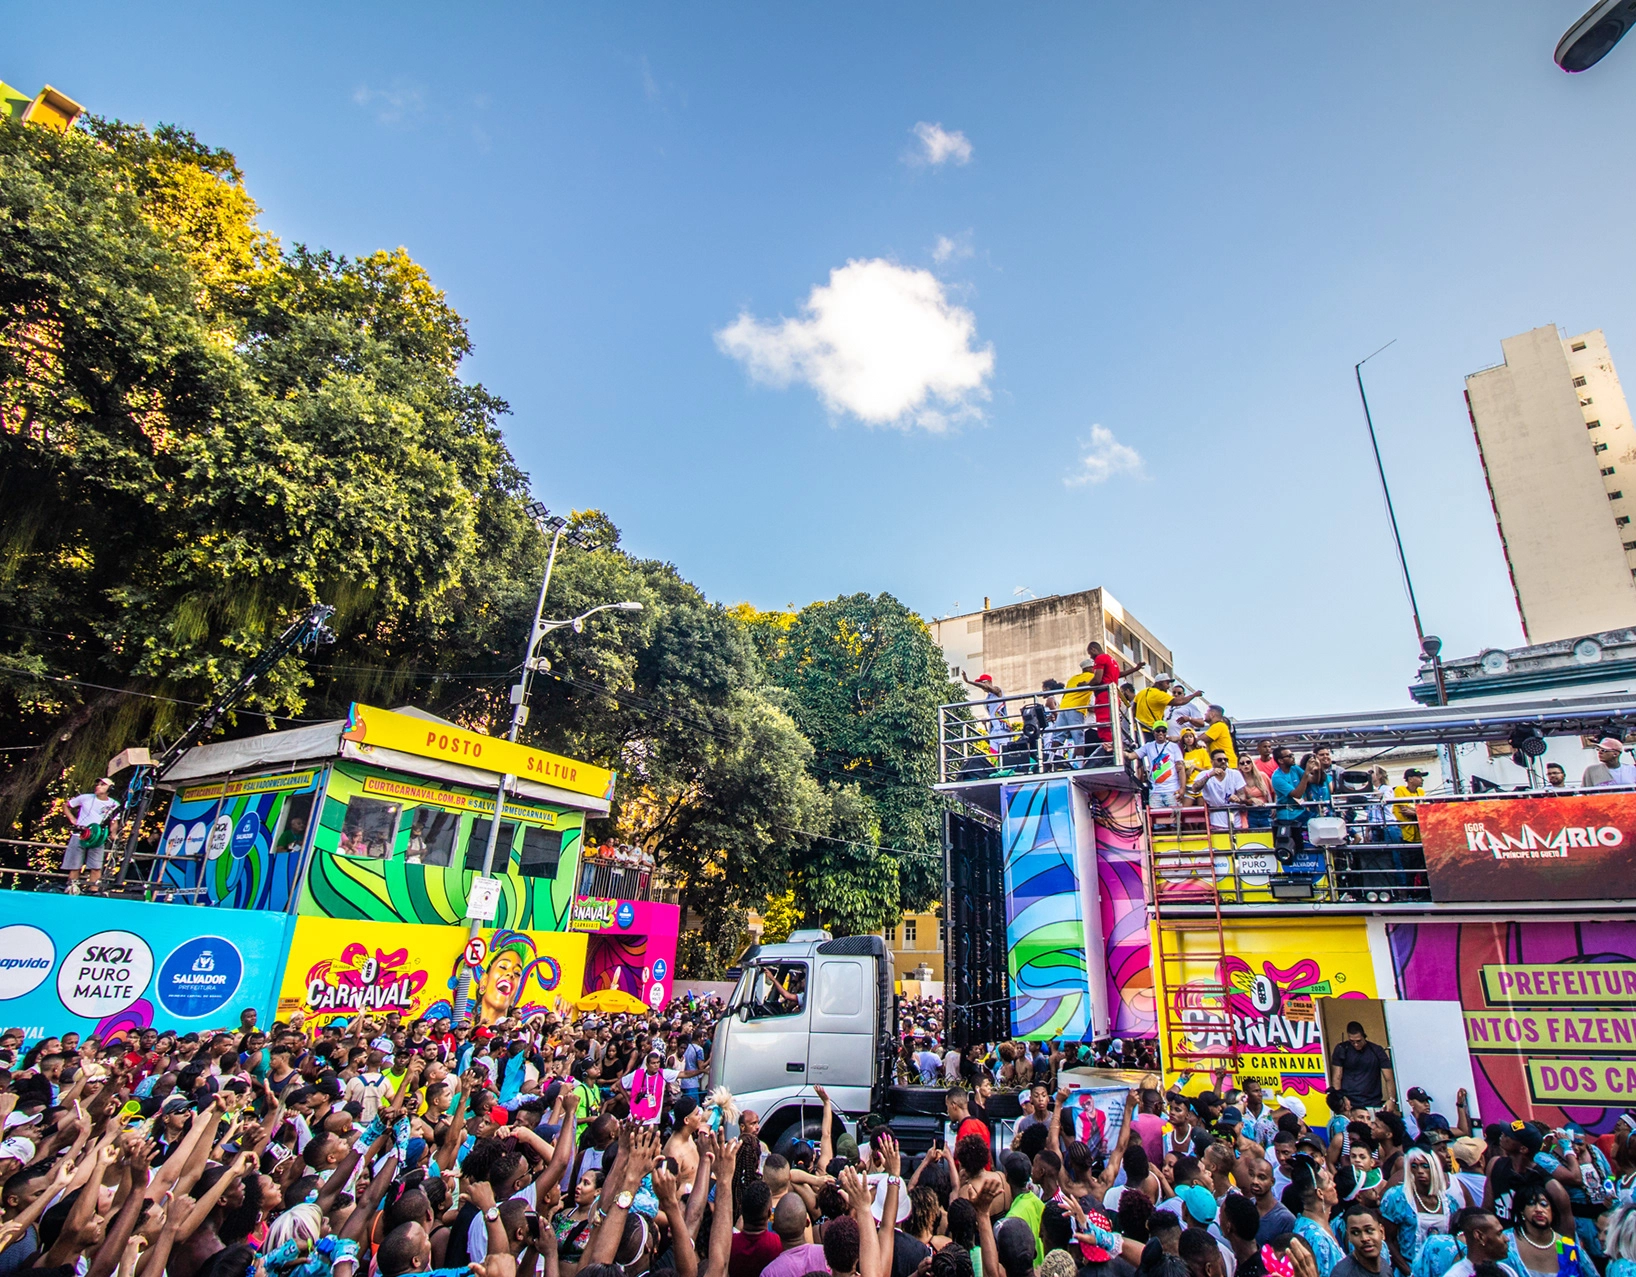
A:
811, 1129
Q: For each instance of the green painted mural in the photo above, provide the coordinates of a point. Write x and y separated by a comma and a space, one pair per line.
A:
389, 847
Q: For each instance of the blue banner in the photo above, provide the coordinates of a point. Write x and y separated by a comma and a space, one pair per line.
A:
95, 966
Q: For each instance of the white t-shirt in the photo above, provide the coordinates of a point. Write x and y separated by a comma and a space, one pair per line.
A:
477, 1235
1624, 774
88, 809
1164, 763
1216, 794
951, 1065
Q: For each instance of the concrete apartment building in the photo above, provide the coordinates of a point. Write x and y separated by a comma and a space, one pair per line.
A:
1559, 452
1023, 644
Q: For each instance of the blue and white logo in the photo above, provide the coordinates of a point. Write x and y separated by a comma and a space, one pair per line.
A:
245, 834
659, 969
625, 915
200, 977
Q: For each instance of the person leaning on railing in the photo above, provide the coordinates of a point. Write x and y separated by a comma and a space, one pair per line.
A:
1256, 794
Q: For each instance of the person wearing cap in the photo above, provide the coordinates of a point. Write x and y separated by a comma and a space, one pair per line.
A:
1608, 769
1153, 703
91, 813
1522, 1144
1406, 830
1160, 761
999, 728
1422, 1121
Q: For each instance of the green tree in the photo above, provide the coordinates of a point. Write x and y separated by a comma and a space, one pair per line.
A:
864, 681
200, 434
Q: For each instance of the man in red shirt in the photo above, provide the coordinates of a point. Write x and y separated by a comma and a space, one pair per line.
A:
958, 1106
1108, 672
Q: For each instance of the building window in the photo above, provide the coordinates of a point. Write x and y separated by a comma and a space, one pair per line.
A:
369, 828
1579, 381
1592, 425
542, 849
1607, 469
1586, 402
1615, 495
477, 845
908, 932
1599, 447
432, 836
1630, 545
1621, 521
1578, 345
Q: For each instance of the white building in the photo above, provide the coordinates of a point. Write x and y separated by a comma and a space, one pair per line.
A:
1559, 452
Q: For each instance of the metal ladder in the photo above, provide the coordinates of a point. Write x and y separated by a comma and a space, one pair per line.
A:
1188, 974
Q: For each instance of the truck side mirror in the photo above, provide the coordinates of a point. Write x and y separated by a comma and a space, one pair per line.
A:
744, 1011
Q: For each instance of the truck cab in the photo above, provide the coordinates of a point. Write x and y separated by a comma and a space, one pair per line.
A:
812, 1011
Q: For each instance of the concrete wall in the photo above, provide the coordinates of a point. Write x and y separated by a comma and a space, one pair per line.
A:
1564, 550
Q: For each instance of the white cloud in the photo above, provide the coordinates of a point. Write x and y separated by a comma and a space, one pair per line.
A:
938, 145
879, 341
1102, 457
951, 248
390, 106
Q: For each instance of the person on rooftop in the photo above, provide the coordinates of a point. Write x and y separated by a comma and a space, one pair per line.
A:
1608, 769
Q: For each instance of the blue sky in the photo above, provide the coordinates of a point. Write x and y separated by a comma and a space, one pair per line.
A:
1182, 224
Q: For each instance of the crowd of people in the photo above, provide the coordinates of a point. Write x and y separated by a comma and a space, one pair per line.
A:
595, 1146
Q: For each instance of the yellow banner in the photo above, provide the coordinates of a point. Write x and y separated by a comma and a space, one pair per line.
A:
1583, 1084
1560, 984
249, 785
1525, 1032
430, 794
383, 729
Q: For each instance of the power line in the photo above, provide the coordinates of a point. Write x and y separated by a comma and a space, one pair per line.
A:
130, 691
871, 846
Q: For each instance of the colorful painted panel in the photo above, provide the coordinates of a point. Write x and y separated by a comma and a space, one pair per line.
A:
1045, 930
1550, 1012
1276, 971
633, 946
1122, 901
338, 969
96, 966
242, 840
399, 888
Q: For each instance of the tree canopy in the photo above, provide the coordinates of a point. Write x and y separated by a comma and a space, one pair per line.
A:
204, 431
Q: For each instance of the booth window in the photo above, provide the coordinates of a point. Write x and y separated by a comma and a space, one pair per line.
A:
478, 844
369, 828
294, 822
432, 836
542, 850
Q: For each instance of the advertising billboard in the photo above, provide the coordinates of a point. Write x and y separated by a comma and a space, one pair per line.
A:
632, 946
1575, 847
94, 966
1277, 973
1550, 1011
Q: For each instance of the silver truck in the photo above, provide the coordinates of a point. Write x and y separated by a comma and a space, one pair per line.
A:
816, 1011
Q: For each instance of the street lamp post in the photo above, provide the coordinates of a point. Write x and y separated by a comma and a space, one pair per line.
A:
519, 704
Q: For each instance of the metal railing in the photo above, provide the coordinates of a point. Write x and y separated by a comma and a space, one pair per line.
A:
1362, 852
1029, 734
611, 880
113, 881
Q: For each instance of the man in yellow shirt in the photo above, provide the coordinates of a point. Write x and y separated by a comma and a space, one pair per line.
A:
1152, 702
1218, 736
1407, 830
1071, 716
